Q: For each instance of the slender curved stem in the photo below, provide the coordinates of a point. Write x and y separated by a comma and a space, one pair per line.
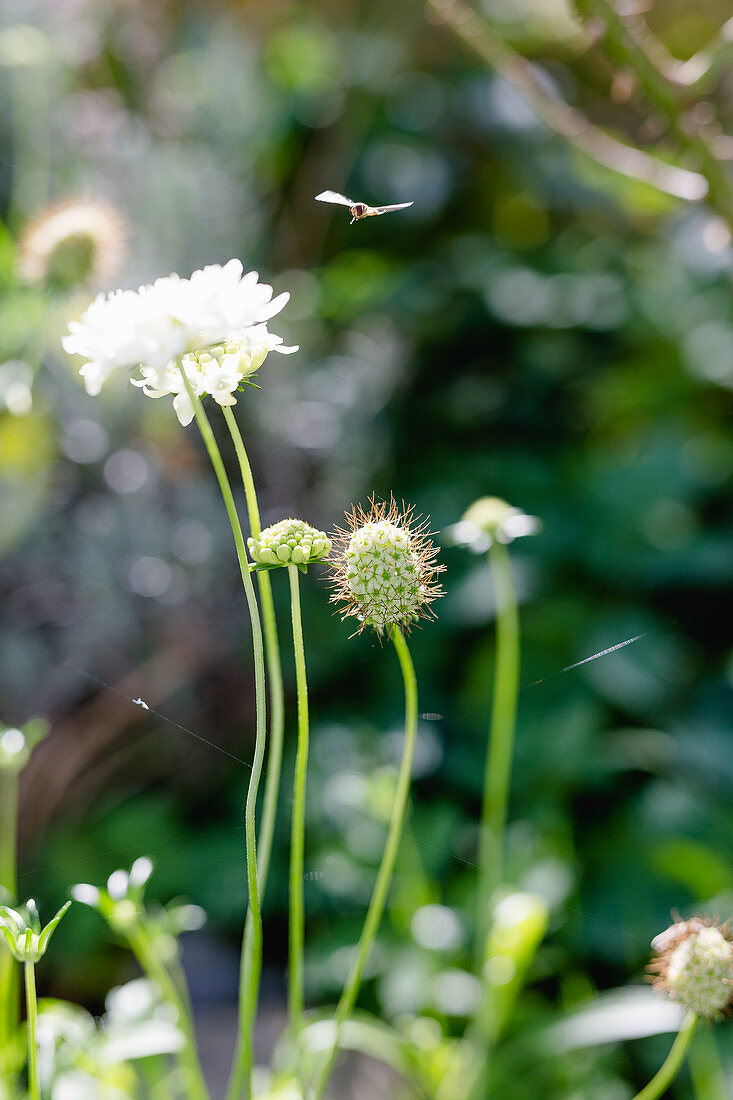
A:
386, 867
146, 955
31, 1005
497, 775
239, 1069
253, 508
274, 665
664, 1077
9, 993
297, 832
251, 963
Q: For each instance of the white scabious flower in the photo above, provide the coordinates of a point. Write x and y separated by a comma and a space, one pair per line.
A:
151, 327
384, 569
694, 965
219, 371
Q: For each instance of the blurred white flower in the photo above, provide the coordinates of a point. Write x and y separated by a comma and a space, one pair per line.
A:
217, 371
80, 241
156, 324
490, 520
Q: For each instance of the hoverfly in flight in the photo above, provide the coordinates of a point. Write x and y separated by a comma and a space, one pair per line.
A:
358, 209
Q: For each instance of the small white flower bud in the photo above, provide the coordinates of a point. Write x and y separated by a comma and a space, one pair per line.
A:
141, 871
85, 893
118, 884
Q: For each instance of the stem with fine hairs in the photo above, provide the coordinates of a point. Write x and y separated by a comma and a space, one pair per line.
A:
384, 875
297, 831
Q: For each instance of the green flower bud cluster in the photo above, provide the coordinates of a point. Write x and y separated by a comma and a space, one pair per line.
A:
383, 573
700, 972
243, 356
289, 542
23, 934
238, 355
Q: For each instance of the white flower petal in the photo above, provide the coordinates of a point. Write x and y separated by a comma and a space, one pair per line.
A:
184, 408
156, 324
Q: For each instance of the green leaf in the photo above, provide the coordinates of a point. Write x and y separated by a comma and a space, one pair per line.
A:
51, 927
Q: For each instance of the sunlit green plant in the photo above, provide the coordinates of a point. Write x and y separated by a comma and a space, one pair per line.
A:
27, 942
294, 545
16, 746
188, 338
152, 936
384, 574
81, 1058
206, 337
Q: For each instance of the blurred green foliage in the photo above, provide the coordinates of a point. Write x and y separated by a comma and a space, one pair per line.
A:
533, 327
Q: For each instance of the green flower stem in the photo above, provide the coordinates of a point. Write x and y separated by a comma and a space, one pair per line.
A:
706, 1069
241, 1068
9, 1008
386, 867
274, 665
31, 1007
661, 1080
152, 965
174, 969
497, 775
297, 832
251, 962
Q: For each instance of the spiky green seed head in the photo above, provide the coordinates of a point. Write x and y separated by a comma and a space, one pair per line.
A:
384, 568
694, 965
289, 542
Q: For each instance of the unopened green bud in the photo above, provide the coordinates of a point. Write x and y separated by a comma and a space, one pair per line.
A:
22, 931
291, 541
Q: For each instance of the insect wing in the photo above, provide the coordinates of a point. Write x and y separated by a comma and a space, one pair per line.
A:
333, 196
387, 209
